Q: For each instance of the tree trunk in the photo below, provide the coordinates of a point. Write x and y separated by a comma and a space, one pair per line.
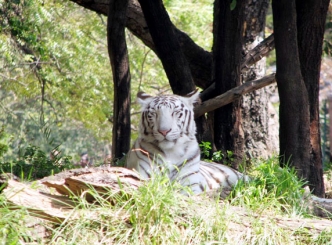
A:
261, 140
117, 49
168, 47
294, 106
227, 48
311, 16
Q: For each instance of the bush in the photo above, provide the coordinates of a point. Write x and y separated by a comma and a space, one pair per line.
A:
36, 164
272, 187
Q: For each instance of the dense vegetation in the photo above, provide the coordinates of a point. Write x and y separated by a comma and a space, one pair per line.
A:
48, 89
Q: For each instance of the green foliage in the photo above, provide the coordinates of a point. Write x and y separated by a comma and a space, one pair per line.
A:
205, 149
3, 144
272, 188
62, 47
216, 156
23, 127
327, 44
35, 164
30, 162
41, 52
194, 17
233, 4
153, 211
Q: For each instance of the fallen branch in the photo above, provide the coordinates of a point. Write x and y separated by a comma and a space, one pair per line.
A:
232, 95
41, 205
321, 207
79, 182
76, 182
101, 179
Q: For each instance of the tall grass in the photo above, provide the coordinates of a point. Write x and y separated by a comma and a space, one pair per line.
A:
157, 213
272, 188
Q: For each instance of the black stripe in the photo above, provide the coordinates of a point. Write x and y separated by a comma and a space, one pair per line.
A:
187, 161
187, 175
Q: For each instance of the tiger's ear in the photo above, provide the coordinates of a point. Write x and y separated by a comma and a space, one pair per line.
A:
143, 98
193, 97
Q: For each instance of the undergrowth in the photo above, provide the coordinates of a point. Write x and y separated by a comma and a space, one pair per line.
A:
272, 187
157, 213
31, 162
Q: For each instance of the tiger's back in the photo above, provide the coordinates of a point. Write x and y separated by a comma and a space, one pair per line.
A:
167, 142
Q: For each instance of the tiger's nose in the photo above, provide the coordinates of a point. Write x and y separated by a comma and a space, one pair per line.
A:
164, 132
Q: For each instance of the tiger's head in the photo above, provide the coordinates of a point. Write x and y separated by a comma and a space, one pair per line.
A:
167, 118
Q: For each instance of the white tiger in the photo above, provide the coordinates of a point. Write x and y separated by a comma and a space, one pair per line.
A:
167, 141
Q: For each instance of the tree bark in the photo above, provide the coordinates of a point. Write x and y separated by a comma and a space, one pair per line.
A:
294, 106
205, 127
311, 16
118, 53
261, 141
168, 47
227, 53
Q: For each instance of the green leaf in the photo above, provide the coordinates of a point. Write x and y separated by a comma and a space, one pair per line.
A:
28, 58
233, 4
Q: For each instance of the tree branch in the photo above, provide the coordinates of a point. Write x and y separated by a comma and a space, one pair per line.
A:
233, 95
257, 53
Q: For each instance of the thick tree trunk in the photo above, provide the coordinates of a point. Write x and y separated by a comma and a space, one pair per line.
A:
227, 48
311, 16
168, 47
294, 106
117, 49
261, 139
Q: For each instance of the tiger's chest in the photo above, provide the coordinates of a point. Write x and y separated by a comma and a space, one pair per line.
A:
183, 156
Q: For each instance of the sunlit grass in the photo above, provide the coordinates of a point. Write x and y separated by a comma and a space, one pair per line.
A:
157, 213
272, 188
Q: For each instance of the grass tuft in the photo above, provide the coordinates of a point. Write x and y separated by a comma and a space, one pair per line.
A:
272, 188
